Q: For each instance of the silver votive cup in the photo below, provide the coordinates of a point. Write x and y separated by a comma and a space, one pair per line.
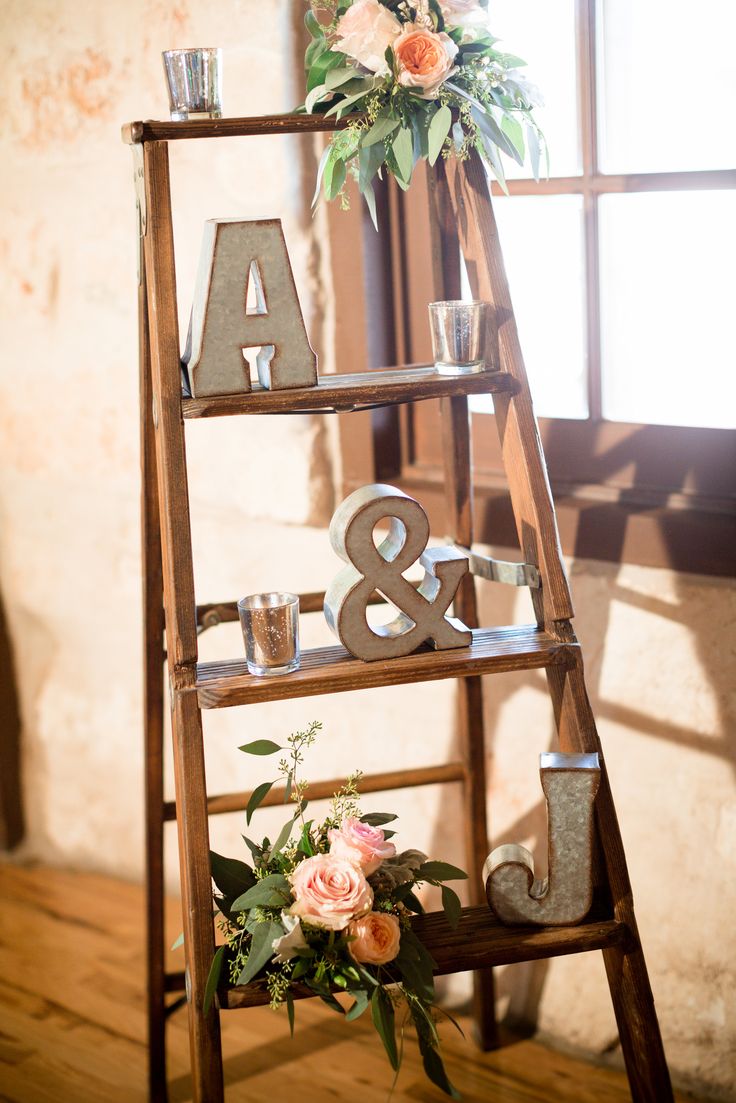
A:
270, 624
194, 81
459, 336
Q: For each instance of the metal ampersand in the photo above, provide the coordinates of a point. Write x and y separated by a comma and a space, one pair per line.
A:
422, 611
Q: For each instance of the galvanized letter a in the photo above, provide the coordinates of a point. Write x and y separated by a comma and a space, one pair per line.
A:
233, 254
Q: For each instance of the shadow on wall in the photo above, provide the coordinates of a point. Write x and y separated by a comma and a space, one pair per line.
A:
523, 986
11, 806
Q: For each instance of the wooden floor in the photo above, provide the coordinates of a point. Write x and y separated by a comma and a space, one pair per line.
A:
72, 1022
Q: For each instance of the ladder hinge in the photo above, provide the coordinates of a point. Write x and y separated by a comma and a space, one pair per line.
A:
498, 570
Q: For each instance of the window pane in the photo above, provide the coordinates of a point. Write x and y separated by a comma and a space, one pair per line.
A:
543, 33
668, 289
542, 244
666, 85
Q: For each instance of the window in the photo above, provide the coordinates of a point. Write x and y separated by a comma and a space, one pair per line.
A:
622, 271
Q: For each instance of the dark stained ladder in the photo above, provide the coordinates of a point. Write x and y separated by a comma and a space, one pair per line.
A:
461, 213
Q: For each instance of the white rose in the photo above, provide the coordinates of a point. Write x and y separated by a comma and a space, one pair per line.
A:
365, 32
285, 948
463, 13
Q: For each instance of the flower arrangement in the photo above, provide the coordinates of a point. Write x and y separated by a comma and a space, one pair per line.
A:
419, 79
326, 909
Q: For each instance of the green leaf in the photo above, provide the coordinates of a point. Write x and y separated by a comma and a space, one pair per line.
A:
377, 819
336, 77
231, 876
261, 949
382, 127
490, 128
261, 746
313, 25
320, 172
403, 150
335, 175
254, 848
341, 108
285, 832
305, 841
532, 141
370, 198
290, 1011
256, 798
451, 904
440, 871
439, 128
427, 1040
273, 891
314, 97
332, 1002
416, 965
382, 1013
435, 1071
362, 1000
322, 64
512, 129
213, 978
410, 901
179, 942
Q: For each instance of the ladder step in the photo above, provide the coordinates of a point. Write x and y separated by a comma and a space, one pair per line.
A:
362, 390
334, 670
479, 941
319, 790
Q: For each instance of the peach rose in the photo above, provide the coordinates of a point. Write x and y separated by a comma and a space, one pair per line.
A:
361, 844
365, 32
329, 892
377, 938
424, 59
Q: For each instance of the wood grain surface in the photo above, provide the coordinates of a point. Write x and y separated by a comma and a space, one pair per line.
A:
334, 670
73, 1021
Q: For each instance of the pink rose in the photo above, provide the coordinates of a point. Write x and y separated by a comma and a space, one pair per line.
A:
424, 59
377, 938
329, 892
365, 32
361, 844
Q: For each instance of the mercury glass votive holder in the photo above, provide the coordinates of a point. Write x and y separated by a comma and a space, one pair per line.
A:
194, 82
459, 336
270, 624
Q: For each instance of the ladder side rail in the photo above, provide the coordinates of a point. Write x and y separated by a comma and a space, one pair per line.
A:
521, 447
153, 713
626, 969
458, 461
181, 628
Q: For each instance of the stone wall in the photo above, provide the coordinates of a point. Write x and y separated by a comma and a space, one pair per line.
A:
261, 493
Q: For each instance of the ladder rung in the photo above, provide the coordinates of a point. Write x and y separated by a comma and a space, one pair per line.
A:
225, 612
334, 670
479, 941
318, 790
335, 393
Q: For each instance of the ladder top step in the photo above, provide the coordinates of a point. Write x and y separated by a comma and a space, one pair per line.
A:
335, 393
163, 130
334, 670
479, 941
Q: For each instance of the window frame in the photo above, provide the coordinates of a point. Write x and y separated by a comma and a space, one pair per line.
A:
656, 495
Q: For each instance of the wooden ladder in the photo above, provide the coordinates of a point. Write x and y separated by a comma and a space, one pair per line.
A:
460, 209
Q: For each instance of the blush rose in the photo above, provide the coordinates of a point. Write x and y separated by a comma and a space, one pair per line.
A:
365, 32
377, 938
329, 892
424, 59
361, 844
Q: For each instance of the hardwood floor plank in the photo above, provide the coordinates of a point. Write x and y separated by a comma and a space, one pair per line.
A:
72, 1022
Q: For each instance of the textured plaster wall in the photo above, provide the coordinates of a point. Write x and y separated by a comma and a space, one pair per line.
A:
657, 645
